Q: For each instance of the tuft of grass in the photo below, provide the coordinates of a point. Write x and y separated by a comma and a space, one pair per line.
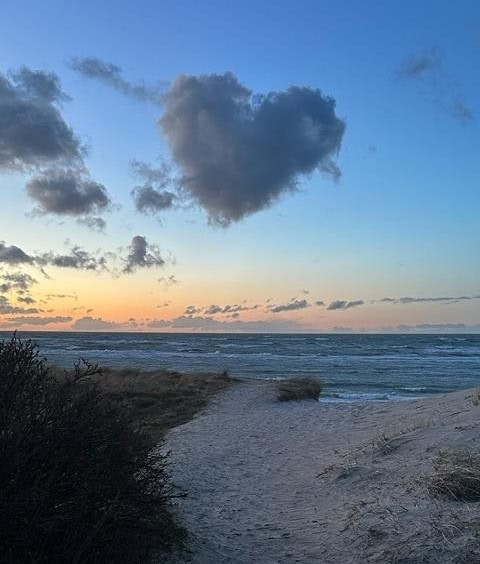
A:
456, 475
475, 397
79, 483
297, 389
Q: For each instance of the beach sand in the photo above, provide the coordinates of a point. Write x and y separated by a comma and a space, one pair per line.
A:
270, 482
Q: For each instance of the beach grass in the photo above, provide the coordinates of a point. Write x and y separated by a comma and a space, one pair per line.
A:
296, 389
456, 475
157, 401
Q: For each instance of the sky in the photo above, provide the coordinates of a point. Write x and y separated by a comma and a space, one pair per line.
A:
240, 166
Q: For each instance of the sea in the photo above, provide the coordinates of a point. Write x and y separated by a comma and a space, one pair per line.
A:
352, 367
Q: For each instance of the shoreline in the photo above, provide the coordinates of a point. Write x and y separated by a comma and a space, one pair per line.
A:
340, 483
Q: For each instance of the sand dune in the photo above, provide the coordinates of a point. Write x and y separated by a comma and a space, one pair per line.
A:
308, 481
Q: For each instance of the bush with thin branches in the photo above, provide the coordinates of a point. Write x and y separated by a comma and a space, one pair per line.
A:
78, 483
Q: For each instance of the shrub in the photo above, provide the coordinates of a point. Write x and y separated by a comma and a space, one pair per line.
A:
456, 475
299, 389
78, 483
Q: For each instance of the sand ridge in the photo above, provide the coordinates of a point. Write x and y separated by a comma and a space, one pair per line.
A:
321, 482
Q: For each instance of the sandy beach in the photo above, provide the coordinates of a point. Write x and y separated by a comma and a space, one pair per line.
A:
323, 482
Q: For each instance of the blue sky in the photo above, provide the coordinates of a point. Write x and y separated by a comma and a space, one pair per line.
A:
401, 221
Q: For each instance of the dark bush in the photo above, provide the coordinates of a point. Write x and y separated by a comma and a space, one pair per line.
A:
78, 484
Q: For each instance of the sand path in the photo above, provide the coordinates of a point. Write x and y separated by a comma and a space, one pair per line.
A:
272, 482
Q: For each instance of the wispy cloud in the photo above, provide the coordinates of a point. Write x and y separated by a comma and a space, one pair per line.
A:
428, 71
112, 75
417, 66
156, 193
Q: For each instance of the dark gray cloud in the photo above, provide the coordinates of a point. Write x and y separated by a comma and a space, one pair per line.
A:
235, 308
319, 303
26, 299
18, 280
13, 255
155, 193
110, 74
149, 200
213, 309
68, 192
142, 255
32, 130
290, 306
435, 84
237, 152
77, 258
344, 304
26, 320
7, 308
192, 310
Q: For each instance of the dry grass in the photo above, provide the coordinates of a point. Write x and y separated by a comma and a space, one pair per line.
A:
475, 397
299, 389
456, 475
157, 401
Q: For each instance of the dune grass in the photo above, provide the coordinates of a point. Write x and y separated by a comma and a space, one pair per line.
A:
157, 401
456, 475
297, 389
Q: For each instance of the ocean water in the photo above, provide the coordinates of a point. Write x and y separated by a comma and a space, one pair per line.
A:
351, 367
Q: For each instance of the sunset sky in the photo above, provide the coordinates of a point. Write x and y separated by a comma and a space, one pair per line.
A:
240, 166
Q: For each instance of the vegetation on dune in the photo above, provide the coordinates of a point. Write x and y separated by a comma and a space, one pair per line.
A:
79, 483
456, 475
299, 389
157, 401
